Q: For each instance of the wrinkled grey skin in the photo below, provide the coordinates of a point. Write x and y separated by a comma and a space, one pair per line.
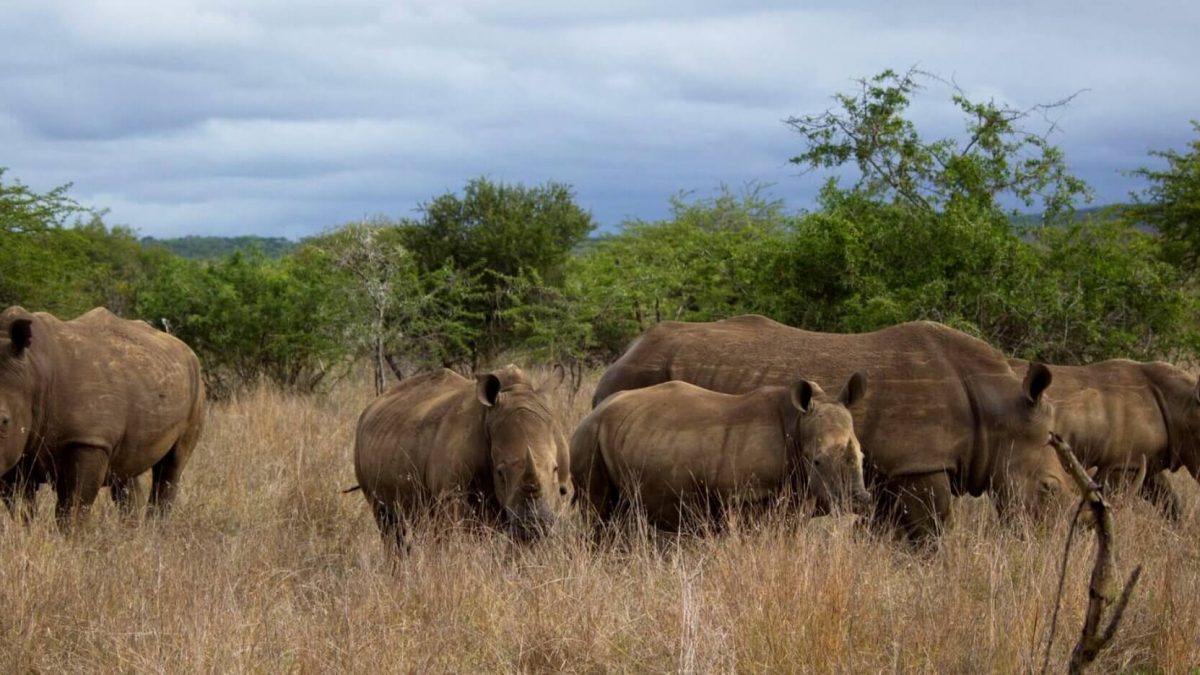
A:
1119, 413
675, 450
489, 448
94, 401
944, 415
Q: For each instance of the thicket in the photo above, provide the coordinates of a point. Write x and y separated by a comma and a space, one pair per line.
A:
906, 227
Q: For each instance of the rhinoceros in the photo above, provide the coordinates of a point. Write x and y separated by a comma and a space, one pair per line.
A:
945, 414
1122, 417
675, 449
93, 401
490, 445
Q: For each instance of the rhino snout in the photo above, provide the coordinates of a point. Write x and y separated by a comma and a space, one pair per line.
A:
531, 521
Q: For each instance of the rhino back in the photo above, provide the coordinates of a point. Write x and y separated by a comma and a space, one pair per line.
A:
675, 438
918, 414
120, 385
422, 437
1110, 414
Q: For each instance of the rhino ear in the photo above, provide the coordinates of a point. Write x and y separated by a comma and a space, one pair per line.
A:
802, 396
1037, 378
487, 389
20, 333
854, 389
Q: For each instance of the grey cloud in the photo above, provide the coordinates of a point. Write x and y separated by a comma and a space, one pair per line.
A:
289, 117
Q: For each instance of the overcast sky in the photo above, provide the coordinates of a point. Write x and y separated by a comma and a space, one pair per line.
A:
286, 117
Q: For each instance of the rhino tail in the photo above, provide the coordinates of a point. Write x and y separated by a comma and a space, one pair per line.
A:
351, 489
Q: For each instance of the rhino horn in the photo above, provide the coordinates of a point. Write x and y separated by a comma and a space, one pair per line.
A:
529, 478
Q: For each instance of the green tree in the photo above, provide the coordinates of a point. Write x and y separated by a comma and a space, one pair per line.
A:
1171, 203
396, 310
925, 232
60, 257
712, 258
996, 157
498, 231
247, 316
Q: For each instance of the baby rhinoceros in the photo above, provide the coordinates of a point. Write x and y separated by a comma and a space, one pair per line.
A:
676, 450
488, 447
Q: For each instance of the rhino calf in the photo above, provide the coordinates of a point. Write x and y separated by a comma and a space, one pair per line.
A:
489, 445
676, 449
94, 401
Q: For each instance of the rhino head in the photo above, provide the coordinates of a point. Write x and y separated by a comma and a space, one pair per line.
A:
531, 478
16, 385
1027, 474
830, 455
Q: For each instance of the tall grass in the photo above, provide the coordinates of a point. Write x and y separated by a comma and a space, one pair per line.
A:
265, 566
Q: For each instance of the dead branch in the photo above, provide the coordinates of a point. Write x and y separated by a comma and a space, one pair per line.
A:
1102, 589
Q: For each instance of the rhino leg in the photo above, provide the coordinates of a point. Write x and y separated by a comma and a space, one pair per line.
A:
918, 506
392, 528
166, 481
127, 494
81, 473
1157, 490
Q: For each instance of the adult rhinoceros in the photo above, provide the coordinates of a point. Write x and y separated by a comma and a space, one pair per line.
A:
676, 449
92, 401
490, 444
1117, 413
945, 414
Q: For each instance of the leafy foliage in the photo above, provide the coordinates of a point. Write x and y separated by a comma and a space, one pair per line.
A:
60, 256
924, 234
997, 157
212, 248
1171, 204
494, 233
710, 260
247, 316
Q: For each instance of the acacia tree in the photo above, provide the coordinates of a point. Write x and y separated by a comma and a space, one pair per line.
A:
926, 231
996, 157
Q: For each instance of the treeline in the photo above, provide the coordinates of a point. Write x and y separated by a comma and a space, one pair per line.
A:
914, 229
211, 248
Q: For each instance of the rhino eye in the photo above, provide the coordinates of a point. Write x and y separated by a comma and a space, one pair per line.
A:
562, 490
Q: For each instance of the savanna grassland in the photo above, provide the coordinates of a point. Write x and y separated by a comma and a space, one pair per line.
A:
265, 566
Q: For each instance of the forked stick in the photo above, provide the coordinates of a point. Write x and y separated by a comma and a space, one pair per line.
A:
1102, 590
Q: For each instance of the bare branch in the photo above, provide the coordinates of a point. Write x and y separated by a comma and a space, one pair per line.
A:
1101, 589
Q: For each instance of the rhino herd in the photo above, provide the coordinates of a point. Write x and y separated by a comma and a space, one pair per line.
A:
693, 418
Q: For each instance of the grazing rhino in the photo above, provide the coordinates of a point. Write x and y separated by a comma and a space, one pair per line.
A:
945, 414
491, 445
674, 447
94, 401
1118, 414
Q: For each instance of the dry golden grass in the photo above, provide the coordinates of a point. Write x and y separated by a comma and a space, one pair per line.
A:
264, 566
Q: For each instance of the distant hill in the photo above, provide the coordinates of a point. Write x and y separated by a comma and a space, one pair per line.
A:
209, 248
1080, 214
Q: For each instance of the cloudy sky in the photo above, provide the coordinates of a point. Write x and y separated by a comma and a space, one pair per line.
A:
286, 117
